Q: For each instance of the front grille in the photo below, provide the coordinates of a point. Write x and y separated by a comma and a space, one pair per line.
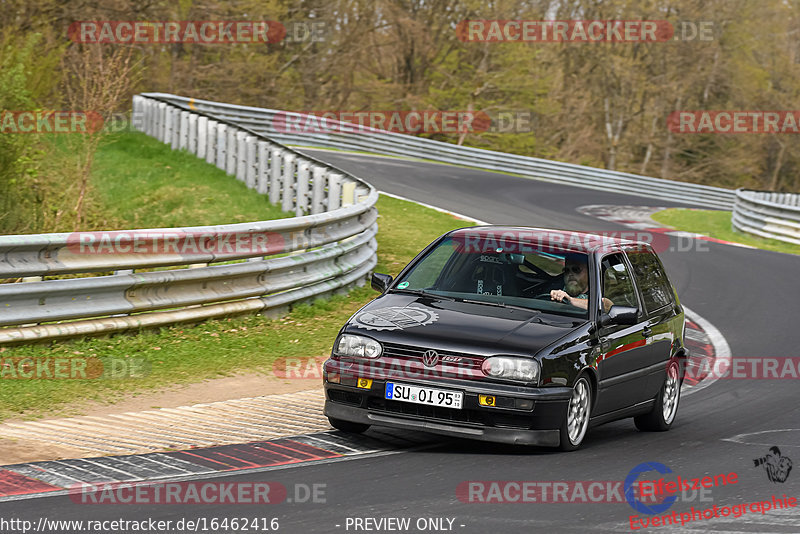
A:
465, 366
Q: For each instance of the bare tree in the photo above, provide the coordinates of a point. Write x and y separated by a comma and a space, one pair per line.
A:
97, 81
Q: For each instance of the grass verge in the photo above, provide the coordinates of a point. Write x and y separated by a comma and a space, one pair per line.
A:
717, 224
143, 183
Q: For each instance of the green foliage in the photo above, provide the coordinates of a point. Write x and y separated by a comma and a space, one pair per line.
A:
599, 104
26, 64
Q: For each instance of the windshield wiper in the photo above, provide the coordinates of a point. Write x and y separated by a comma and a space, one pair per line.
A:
421, 293
499, 305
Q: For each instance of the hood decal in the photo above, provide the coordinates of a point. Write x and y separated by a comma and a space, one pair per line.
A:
394, 318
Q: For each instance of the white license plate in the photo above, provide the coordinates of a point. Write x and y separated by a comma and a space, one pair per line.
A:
420, 395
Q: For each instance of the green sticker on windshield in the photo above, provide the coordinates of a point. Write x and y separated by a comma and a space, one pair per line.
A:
402, 285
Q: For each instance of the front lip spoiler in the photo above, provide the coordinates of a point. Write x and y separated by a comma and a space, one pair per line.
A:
545, 438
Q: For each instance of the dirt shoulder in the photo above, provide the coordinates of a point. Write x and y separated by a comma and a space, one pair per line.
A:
219, 389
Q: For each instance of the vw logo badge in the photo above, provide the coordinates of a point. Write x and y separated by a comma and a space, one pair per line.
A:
430, 358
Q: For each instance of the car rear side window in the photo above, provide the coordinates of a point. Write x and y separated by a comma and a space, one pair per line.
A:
656, 289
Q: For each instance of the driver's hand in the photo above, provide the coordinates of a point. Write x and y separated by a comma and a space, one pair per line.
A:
558, 295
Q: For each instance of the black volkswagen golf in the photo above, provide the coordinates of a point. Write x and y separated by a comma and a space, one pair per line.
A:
514, 335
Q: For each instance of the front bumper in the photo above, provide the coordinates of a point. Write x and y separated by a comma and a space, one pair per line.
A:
537, 426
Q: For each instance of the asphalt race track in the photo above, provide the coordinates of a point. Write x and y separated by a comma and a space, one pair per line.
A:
751, 296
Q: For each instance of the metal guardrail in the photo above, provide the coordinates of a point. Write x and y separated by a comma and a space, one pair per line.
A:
277, 125
330, 245
767, 214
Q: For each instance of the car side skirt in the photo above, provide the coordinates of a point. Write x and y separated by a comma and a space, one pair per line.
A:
630, 411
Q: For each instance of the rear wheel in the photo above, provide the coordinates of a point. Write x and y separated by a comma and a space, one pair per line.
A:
666, 405
575, 424
347, 426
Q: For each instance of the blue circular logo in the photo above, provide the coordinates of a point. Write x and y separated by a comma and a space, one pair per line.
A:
630, 483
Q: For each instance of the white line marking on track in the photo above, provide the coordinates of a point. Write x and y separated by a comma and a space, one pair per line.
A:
741, 438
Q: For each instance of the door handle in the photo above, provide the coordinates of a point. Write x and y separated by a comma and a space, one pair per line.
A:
604, 344
647, 332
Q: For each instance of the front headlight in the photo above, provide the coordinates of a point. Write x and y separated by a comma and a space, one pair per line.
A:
521, 369
358, 347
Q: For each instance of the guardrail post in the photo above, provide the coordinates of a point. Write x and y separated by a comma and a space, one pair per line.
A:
192, 134
361, 193
161, 121
334, 191
202, 137
230, 164
250, 161
275, 165
222, 145
289, 182
153, 132
139, 107
168, 125
183, 131
301, 202
318, 189
348, 193
211, 142
241, 156
149, 118
176, 129
262, 172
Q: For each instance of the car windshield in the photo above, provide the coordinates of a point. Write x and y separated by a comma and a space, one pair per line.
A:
508, 275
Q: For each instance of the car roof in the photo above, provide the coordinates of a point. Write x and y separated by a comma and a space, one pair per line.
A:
542, 237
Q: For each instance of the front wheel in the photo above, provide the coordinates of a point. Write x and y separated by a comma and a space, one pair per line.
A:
666, 405
347, 426
574, 427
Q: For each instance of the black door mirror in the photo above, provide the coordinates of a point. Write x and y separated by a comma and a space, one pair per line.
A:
621, 315
381, 282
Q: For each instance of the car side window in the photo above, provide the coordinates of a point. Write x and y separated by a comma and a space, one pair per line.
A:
656, 289
617, 284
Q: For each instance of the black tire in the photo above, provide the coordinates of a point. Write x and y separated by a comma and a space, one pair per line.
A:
665, 409
576, 422
347, 426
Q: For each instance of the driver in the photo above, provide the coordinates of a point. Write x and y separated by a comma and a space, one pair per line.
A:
576, 284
